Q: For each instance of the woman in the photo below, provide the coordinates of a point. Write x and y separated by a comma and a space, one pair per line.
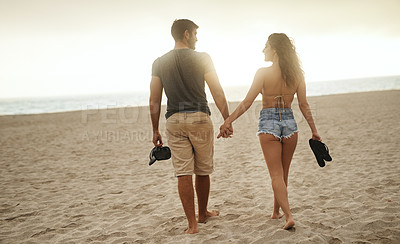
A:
277, 127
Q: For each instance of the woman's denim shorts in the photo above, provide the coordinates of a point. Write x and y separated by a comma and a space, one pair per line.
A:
278, 122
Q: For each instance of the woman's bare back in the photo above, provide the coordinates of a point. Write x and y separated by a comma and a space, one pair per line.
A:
275, 93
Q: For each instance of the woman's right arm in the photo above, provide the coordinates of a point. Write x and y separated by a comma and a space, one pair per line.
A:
253, 92
306, 111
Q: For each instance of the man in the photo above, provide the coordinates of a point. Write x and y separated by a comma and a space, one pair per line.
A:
182, 72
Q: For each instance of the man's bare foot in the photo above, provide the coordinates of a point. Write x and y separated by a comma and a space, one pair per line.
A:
191, 231
212, 213
277, 215
289, 224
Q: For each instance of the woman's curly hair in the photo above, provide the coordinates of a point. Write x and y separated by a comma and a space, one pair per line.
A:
289, 62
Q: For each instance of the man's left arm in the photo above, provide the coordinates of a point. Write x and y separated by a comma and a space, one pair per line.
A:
217, 93
156, 89
219, 97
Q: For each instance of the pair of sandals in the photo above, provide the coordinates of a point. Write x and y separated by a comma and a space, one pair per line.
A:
321, 152
159, 153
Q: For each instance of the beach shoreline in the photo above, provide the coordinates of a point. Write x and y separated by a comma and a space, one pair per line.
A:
83, 177
39, 105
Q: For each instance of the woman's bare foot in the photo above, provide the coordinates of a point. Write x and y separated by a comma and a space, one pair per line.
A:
191, 230
276, 215
289, 224
212, 213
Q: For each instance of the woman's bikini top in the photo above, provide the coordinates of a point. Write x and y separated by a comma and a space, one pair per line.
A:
280, 101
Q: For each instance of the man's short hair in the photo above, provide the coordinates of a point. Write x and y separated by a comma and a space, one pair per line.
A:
180, 26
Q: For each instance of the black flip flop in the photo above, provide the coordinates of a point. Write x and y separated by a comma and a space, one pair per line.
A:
159, 153
320, 151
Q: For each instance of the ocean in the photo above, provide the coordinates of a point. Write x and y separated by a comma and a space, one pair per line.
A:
18, 106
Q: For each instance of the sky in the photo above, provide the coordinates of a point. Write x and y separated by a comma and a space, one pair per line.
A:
70, 47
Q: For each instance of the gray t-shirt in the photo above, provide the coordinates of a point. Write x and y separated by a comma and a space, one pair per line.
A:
182, 75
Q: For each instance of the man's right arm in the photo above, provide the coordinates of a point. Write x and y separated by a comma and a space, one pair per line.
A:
156, 89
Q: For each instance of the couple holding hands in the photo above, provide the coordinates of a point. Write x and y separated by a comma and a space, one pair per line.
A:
182, 74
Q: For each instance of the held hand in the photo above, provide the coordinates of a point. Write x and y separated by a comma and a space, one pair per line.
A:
157, 141
316, 136
226, 130
224, 134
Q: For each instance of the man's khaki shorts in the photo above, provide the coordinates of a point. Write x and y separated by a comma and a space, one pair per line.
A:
191, 139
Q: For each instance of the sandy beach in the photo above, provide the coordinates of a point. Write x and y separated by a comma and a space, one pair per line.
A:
83, 177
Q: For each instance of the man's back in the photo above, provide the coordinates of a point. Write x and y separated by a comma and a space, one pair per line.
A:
182, 75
